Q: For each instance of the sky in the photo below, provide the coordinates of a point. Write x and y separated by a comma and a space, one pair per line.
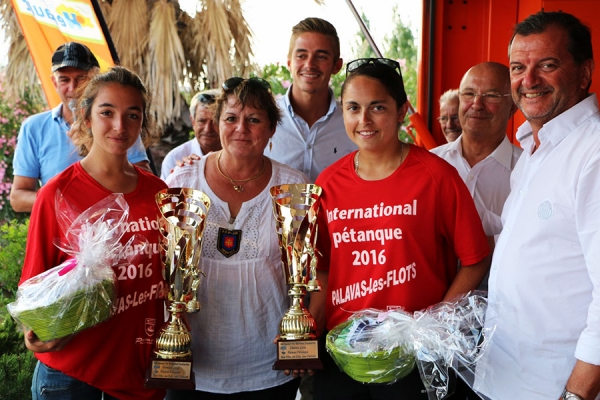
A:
272, 20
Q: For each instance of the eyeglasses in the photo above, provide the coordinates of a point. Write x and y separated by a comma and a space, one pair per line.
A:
445, 118
377, 62
491, 98
234, 82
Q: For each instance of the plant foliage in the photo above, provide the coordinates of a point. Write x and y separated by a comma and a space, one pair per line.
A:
12, 116
16, 362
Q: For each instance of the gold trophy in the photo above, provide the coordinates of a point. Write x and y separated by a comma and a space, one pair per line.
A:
184, 213
295, 207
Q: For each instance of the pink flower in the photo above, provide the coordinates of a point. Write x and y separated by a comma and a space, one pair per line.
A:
286, 84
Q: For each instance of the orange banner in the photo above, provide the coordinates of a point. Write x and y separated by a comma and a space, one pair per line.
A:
46, 24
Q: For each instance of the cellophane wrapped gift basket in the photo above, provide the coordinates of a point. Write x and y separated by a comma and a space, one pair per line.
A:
383, 346
374, 346
80, 292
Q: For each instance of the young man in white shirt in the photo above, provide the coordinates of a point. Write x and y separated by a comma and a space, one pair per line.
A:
311, 135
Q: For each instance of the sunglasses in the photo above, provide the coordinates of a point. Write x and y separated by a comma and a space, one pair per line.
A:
234, 82
206, 98
377, 62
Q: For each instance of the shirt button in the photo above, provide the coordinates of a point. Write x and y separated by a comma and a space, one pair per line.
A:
522, 192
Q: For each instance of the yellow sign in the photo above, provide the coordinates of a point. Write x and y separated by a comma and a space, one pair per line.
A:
46, 24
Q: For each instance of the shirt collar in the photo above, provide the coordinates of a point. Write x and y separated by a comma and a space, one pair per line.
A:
502, 153
57, 112
332, 103
559, 127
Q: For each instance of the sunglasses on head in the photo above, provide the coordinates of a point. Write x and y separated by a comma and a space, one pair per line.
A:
206, 98
234, 82
377, 62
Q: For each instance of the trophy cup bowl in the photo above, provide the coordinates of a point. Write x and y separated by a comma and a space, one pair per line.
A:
183, 219
295, 207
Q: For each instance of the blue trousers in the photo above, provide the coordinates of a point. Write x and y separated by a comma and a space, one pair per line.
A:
51, 384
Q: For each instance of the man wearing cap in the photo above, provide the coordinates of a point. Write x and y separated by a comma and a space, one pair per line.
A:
206, 134
44, 148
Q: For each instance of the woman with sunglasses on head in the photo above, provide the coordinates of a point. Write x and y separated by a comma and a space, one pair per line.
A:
419, 210
244, 294
108, 360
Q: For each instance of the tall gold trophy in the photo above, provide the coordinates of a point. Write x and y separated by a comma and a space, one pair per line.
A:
296, 207
184, 213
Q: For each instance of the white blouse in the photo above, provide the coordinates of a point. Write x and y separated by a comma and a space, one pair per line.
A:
243, 297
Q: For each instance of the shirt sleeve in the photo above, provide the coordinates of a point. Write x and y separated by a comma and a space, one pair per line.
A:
323, 240
25, 161
137, 152
167, 165
462, 223
587, 214
41, 254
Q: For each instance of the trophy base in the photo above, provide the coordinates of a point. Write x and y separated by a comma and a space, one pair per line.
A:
297, 354
170, 374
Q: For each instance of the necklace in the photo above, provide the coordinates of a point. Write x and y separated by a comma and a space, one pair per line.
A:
239, 187
358, 152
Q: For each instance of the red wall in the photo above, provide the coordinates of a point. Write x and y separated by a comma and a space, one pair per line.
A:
467, 32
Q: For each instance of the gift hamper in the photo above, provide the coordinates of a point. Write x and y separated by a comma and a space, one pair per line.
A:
373, 346
80, 292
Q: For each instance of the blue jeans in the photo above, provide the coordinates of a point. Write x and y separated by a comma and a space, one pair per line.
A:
51, 384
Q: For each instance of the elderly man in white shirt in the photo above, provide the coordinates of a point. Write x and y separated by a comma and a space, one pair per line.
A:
544, 296
483, 155
206, 136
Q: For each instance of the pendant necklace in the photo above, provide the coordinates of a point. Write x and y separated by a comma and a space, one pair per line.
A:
239, 186
356, 158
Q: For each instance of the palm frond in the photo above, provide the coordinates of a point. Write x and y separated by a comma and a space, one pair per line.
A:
215, 26
105, 7
20, 73
128, 26
166, 62
194, 48
242, 36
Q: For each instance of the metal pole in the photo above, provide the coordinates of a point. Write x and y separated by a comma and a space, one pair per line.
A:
364, 28
105, 31
367, 34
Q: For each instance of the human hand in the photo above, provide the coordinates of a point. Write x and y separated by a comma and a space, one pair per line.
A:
187, 160
33, 343
299, 372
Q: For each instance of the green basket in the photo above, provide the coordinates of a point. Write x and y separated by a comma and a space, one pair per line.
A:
81, 310
385, 366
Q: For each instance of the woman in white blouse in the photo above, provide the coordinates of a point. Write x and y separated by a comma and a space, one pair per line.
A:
244, 294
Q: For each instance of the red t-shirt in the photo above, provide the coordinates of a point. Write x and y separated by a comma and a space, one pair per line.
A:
395, 241
114, 355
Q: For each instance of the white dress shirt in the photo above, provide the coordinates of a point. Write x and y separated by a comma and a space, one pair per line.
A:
488, 181
544, 287
170, 161
309, 149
